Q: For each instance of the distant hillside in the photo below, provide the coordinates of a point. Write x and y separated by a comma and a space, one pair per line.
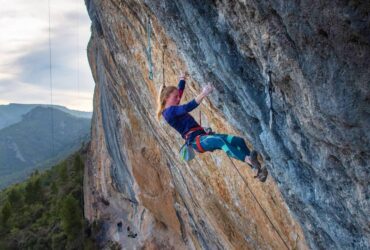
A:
46, 210
13, 112
29, 144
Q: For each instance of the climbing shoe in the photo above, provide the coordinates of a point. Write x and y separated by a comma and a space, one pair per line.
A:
261, 171
262, 174
254, 161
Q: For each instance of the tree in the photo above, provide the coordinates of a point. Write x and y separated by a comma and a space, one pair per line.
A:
35, 173
63, 172
6, 212
71, 214
34, 191
54, 188
15, 197
78, 164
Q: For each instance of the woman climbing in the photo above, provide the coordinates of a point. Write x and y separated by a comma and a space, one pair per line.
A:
195, 136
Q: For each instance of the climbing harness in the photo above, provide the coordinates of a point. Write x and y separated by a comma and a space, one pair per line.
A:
149, 49
186, 151
259, 204
199, 147
187, 135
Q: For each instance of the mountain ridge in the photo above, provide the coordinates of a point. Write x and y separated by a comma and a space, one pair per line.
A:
29, 143
12, 113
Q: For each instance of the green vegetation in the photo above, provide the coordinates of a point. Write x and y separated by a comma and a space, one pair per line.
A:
46, 211
38, 142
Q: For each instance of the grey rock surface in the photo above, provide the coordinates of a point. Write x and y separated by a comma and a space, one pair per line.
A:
318, 53
292, 77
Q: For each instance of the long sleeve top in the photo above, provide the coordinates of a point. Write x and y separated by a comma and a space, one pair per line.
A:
178, 115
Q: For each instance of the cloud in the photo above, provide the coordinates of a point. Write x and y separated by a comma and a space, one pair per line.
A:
24, 70
40, 95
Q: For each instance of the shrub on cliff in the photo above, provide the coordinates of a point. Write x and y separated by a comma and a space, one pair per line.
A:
46, 211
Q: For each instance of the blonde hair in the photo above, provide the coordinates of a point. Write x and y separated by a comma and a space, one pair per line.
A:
164, 93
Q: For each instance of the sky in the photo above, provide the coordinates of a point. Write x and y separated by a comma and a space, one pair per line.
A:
24, 53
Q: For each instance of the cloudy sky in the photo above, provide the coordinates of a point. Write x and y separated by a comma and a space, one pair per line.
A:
24, 53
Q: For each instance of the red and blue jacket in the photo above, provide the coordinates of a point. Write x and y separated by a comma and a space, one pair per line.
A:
179, 118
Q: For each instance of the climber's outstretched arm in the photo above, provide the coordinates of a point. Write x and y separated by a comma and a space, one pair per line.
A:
180, 110
182, 83
206, 91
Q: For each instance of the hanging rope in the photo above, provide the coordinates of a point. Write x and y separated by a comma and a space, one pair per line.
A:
200, 118
164, 47
80, 126
51, 84
149, 49
264, 45
259, 204
269, 97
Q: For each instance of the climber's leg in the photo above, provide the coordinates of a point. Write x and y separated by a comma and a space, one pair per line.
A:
233, 147
238, 143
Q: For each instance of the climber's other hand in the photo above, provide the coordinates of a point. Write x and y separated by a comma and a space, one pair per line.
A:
184, 75
207, 89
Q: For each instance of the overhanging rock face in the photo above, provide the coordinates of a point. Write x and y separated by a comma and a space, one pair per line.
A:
309, 60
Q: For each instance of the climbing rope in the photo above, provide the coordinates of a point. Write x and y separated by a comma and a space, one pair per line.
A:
80, 124
51, 84
267, 72
259, 204
269, 97
164, 47
149, 50
200, 118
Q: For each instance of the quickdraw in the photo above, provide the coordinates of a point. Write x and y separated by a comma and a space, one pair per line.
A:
149, 50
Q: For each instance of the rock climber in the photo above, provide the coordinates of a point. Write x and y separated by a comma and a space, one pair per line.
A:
196, 136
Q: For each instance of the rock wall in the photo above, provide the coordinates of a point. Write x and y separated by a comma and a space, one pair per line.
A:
308, 59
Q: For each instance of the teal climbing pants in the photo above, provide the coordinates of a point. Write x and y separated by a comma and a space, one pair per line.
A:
234, 146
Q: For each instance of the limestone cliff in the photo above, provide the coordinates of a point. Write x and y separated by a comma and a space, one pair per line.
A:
308, 59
